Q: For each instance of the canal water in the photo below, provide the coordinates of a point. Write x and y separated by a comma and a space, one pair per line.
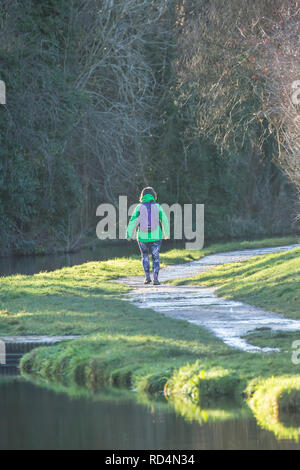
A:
34, 264
34, 417
42, 416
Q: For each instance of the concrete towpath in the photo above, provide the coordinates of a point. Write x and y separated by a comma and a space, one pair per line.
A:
226, 319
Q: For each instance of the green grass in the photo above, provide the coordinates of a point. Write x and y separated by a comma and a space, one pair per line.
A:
274, 339
271, 281
80, 300
123, 345
271, 402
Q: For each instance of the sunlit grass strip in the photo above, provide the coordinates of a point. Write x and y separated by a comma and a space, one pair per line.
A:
269, 281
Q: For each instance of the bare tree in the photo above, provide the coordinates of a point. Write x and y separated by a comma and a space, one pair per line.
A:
237, 63
279, 65
117, 77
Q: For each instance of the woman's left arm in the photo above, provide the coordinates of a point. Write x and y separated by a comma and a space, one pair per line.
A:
132, 222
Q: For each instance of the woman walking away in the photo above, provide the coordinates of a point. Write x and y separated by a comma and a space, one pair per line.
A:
152, 226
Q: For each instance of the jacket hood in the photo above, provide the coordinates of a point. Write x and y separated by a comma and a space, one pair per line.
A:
148, 198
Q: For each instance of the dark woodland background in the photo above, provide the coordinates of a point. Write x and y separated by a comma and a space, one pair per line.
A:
104, 97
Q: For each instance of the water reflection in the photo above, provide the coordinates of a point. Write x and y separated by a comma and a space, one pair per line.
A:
35, 417
217, 410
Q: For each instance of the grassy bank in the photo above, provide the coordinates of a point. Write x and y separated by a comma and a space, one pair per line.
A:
125, 345
271, 282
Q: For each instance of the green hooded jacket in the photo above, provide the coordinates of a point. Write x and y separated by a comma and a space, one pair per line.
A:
157, 234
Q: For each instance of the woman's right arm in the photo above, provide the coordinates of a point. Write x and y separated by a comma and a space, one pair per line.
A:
164, 222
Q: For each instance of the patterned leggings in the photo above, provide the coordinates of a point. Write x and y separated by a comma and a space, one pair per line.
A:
155, 247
